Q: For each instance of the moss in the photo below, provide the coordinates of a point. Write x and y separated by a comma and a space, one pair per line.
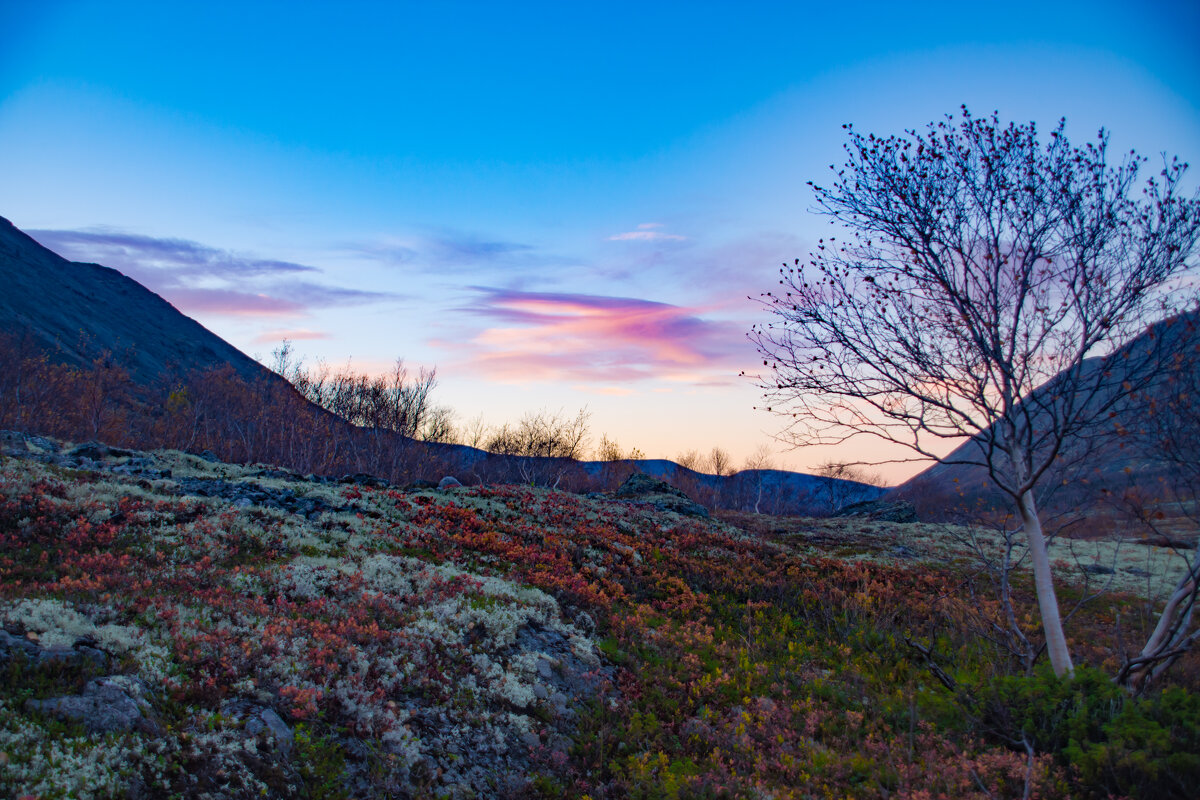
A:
322, 763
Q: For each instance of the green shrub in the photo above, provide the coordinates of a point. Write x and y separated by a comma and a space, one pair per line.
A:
1150, 749
1113, 744
1045, 711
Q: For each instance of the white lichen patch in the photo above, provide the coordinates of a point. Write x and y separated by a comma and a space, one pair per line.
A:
67, 767
59, 624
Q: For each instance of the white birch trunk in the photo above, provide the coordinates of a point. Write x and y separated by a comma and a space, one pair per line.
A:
1043, 578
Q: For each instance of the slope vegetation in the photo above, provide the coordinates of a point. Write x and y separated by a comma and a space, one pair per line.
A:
174, 626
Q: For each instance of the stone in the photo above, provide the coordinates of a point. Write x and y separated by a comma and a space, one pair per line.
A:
881, 511
660, 494
448, 482
17, 646
104, 707
363, 479
97, 451
261, 720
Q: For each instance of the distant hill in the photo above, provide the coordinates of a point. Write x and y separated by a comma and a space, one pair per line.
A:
76, 312
1094, 472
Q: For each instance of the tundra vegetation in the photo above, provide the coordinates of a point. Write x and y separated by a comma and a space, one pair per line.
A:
485, 641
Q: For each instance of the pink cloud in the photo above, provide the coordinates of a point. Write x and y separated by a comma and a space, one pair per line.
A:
597, 339
230, 301
274, 337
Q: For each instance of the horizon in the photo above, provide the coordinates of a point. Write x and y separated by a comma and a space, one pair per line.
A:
555, 207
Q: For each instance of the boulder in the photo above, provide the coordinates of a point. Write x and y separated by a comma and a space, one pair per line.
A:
880, 510
105, 706
660, 494
97, 451
448, 482
259, 720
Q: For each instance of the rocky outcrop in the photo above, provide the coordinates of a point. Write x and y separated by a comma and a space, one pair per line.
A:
641, 488
106, 705
880, 510
245, 493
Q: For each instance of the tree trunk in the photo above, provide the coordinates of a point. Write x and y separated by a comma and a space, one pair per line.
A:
1043, 578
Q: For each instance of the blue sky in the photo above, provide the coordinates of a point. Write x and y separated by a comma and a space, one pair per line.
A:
558, 204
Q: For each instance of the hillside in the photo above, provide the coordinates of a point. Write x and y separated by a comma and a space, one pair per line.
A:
1123, 453
78, 312
177, 626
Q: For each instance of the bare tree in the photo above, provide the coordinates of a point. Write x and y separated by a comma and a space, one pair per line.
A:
438, 426
543, 445
610, 450
988, 290
690, 459
395, 401
720, 462
475, 432
843, 484
756, 464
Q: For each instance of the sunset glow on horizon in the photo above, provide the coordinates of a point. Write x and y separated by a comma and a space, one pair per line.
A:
557, 205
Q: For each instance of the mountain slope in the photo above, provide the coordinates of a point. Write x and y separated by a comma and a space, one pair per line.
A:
76, 312
1122, 452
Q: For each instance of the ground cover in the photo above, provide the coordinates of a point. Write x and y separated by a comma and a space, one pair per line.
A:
302, 638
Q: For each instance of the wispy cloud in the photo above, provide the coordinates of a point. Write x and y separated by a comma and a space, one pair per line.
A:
647, 232
448, 248
231, 302
595, 338
134, 255
292, 335
197, 278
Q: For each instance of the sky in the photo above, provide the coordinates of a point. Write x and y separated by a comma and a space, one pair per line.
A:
558, 205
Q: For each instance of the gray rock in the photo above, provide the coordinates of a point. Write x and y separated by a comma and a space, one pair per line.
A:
448, 482
97, 451
363, 479
276, 728
261, 720
585, 623
16, 443
881, 510
12, 646
660, 494
104, 707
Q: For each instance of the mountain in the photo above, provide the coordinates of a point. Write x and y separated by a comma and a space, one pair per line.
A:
1123, 453
77, 312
